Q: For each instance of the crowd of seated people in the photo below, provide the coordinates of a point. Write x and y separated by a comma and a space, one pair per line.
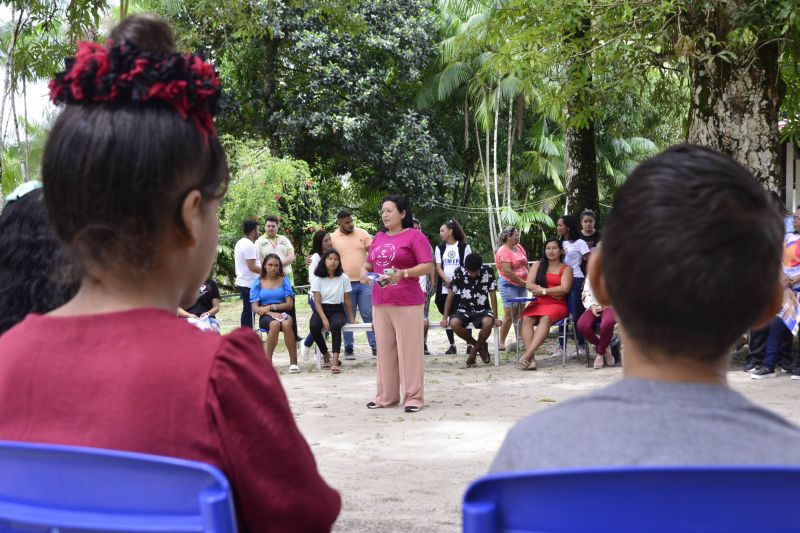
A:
121, 262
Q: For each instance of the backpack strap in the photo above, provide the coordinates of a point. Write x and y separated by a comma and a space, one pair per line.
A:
462, 248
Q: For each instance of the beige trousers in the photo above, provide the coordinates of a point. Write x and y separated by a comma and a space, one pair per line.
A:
399, 334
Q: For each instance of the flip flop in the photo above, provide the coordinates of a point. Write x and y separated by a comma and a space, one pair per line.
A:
336, 370
522, 364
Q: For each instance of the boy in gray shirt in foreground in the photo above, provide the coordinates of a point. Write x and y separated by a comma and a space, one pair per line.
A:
682, 297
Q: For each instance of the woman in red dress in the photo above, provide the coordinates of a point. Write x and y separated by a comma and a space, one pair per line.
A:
549, 280
133, 177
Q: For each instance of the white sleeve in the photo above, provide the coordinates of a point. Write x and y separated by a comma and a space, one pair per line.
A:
346, 283
437, 255
583, 247
249, 250
467, 251
587, 296
315, 284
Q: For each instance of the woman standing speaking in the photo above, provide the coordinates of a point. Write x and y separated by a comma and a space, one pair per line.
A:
399, 255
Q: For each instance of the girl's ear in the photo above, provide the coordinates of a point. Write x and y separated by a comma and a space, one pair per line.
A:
191, 215
595, 272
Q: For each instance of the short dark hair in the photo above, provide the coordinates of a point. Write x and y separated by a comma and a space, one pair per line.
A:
541, 272
115, 174
571, 223
681, 290
473, 262
344, 213
37, 273
587, 213
322, 271
271, 218
264, 265
248, 226
402, 204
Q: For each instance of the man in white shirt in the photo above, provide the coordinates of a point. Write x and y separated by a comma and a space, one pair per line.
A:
247, 270
272, 243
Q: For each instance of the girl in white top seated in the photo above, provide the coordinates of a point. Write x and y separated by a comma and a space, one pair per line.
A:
330, 288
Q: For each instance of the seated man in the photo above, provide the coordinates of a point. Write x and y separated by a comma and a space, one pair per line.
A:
202, 314
674, 406
476, 285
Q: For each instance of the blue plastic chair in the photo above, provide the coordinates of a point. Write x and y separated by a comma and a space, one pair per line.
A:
652, 499
45, 487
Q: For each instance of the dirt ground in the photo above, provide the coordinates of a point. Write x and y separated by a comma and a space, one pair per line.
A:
408, 472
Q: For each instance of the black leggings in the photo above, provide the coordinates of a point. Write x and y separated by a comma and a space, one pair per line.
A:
337, 318
440, 301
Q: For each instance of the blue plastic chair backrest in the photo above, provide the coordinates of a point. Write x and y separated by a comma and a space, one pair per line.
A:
652, 499
46, 487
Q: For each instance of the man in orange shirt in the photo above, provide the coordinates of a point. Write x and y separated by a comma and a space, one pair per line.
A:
353, 243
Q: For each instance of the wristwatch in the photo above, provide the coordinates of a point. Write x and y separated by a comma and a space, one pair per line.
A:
405, 273
544, 292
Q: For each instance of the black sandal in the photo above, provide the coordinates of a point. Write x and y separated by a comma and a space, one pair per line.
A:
411, 409
373, 405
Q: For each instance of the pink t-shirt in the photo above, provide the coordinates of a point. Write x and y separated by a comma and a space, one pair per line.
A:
404, 250
518, 259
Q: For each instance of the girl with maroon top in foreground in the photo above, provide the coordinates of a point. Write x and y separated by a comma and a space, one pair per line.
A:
133, 176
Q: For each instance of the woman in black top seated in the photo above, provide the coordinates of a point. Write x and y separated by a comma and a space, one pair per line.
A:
204, 310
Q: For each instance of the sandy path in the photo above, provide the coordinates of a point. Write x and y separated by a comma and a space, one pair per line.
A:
408, 472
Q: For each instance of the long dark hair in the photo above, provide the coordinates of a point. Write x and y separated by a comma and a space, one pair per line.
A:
316, 242
541, 274
458, 231
572, 225
322, 270
402, 204
37, 273
264, 265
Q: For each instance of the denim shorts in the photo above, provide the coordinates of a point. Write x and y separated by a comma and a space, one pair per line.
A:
509, 290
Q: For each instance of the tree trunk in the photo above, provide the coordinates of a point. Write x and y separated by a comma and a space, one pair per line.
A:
581, 170
509, 148
581, 160
494, 167
734, 107
485, 172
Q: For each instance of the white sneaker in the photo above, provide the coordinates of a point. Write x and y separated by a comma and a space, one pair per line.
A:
580, 351
304, 352
294, 369
558, 352
796, 376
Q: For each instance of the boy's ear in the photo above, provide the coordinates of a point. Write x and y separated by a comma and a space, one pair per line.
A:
598, 281
772, 307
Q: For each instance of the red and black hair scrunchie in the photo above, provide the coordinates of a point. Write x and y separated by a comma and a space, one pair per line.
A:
123, 73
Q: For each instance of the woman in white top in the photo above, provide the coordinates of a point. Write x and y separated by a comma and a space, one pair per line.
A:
320, 242
575, 250
331, 290
449, 255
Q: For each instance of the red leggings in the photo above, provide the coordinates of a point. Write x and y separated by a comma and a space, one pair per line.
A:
607, 322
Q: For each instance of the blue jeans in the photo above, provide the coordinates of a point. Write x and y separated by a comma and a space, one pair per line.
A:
247, 309
361, 298
776, 339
